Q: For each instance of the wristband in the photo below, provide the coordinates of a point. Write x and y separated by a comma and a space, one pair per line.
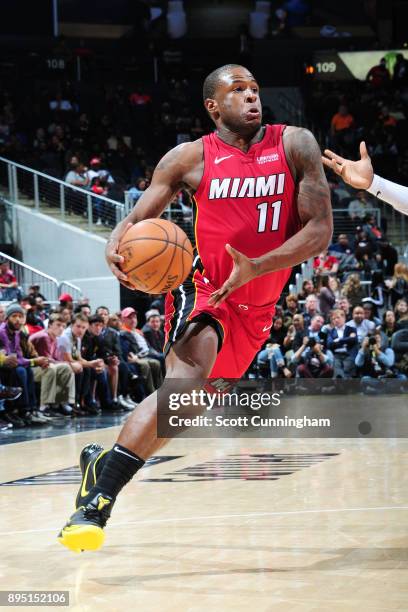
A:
32, 363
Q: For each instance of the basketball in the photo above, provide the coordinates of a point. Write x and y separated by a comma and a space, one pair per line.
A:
158, 255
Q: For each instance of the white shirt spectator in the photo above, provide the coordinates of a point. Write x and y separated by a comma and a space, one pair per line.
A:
364, 328
67, 343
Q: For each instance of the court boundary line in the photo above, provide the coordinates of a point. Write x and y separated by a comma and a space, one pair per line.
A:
220, 516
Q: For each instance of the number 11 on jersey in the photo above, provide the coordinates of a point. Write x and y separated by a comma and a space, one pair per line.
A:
263, 214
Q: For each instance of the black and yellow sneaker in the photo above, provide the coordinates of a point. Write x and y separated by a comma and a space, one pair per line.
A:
84, 530
89, 462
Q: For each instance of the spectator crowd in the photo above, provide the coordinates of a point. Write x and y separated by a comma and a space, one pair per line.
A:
69, 361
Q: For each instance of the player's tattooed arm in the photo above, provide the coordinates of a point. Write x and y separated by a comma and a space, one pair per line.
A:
313, 204
180, 166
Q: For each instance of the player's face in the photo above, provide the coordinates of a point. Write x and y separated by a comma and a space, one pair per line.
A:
238, 103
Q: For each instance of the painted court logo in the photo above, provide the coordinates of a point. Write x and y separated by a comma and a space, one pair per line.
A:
266, 159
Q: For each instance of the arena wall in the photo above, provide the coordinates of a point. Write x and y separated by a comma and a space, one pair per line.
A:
67, 253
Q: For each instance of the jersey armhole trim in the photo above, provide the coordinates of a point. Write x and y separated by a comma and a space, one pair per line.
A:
206, 161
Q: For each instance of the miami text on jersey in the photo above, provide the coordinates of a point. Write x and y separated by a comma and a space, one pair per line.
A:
247, 187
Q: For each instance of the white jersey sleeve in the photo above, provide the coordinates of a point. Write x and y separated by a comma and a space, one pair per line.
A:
396, 195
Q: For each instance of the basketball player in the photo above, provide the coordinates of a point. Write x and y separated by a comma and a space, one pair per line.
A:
360, 174
262, 205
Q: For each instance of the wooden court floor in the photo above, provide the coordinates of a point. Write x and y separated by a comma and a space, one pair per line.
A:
218, 525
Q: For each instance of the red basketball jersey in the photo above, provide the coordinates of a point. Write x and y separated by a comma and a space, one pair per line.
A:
248, 201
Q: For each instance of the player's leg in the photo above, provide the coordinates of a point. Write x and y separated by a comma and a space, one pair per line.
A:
190, 359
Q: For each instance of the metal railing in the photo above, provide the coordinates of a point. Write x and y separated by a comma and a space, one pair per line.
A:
182, 218
27, 276
44, 193
344, 224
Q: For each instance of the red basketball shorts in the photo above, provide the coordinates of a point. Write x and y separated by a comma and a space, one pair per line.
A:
242, 329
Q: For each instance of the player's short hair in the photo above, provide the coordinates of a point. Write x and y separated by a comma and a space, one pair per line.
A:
212, 80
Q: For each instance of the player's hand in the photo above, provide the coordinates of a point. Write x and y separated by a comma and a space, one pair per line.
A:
358, 174
243, 271
113, 259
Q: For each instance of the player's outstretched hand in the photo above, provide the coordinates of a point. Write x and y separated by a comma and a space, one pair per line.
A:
113, 259
358, 174
242, 272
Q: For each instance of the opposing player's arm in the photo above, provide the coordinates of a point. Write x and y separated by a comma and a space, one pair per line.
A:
172, 171
313, 203
360, 175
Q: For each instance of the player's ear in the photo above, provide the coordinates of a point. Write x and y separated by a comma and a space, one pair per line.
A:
211, 107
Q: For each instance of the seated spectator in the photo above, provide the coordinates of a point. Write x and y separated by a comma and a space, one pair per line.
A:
8, 283
138, 350
97, 171
307, 289
110, 345
399, 344
342, 246
372, 231
344, 305
271, 357
104, 379
153, 332
328, 294
401, 314
362, 325
58, 380
342, 126
363, 247
389, 324
291, 309
311, 308
137, 189
375, 361
342, 342
78, 176
66, 300
369, 314
41, 308
376, 298
84, 309
34, 322
15, 343
311, 361
295, 334
34, 291
357, 209
353, 290
378, 76
398, 285
70, 347
99, 187
325, 263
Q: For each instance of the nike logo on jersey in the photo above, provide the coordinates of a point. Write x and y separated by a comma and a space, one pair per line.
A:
267, 327
218, 160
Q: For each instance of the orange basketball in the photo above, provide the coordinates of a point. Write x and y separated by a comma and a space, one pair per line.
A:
158, 255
